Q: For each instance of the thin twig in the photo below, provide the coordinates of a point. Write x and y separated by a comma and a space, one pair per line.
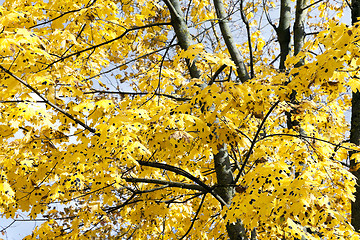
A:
138, 93
309, 6
130, 61
216, 74
8, 226
254, 140
194, 219
246, 22
268, 17
47, 101
168, 183
107, 42
303, 136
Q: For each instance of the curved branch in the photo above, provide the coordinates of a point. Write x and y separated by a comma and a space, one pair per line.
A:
268, 17
168, 183
183, 173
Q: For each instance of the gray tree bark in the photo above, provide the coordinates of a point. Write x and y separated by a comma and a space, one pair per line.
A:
299, 31
283, 31
355, 131
224, 174
229, 41
182, 32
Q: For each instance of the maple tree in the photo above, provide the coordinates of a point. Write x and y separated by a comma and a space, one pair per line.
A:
172, 120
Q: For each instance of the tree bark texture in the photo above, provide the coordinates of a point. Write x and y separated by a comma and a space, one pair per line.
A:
299, 31
283, 32
182, 32
355, 131
229, 41
236, 231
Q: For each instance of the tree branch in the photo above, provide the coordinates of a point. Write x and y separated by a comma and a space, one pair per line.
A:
310, 5
245, 21
304, 136
216, 74
168, 183
138, 93
283, 31
299, 31
130, 61
229, 41
182, 33
183, 173
267, 16
107, 42
61, 15
47, 101
254, 141
194, 219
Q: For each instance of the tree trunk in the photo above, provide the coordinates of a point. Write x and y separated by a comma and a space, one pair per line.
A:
355, 131
224, 174
299, 31
283, 32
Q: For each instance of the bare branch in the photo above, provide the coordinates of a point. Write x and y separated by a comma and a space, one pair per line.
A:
182, 33
229, 41
304, 136
168, 183
130, 61
267, 16
309, 6
183, 173
216, 74
246, 22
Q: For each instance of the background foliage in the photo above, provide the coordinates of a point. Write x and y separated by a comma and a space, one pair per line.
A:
173, 120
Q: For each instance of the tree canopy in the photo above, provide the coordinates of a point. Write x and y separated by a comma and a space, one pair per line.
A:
178, 119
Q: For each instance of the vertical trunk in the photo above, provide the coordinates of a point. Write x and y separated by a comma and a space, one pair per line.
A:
299, 31
299, 36
229, 41
182, 32
236, 231
224, 174
225, 179
283, 32
355, 130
